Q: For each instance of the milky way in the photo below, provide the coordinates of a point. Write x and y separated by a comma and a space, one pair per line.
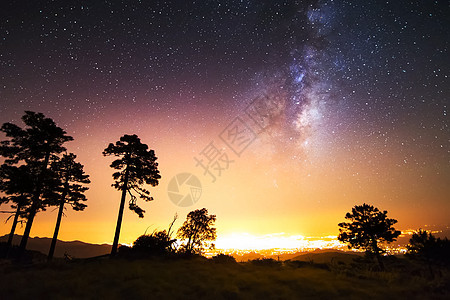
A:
375, 71
303, 88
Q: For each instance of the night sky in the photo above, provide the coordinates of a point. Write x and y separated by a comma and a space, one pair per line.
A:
357, 95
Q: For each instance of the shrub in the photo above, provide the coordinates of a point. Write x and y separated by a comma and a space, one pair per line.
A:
223, 259
423, 245
156, 243
270, 262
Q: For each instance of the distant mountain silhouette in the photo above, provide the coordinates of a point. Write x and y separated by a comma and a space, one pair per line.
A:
75, 249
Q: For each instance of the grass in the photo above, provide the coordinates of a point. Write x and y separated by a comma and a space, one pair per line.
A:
200, 278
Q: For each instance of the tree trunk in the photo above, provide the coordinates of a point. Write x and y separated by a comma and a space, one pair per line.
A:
188, 245
119, 218
377, 255
58, 224
380, 262
26, 233
33, 208
13, 229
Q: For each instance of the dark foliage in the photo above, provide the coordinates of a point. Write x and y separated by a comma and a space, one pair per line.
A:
34, 146
72, 181
197, 232
298, 263
70, 189
366, 229
124, 251
40, 139
157, 243
265, 262
425, 246
223, 259
136, 166
16, 184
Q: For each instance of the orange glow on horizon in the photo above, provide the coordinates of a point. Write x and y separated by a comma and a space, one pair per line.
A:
246, 241
262, 192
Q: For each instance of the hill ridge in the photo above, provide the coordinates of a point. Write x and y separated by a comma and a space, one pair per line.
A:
76, 248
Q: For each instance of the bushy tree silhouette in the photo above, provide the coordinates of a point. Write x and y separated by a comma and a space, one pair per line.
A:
422, 243
368, 227
71, 188
137, 165
424, 246
35, 145
197, 231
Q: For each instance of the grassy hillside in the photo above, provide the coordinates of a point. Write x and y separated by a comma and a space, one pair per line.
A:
201, 278
329, 256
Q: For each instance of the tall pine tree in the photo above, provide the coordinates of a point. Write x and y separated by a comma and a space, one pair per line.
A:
70, 190
36, 144
17, 185
136, 166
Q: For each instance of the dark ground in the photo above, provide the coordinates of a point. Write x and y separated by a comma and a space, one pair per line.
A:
201, 278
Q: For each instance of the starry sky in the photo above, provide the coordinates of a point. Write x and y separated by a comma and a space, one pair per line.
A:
354, 98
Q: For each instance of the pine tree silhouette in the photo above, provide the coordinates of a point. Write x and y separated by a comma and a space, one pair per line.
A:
71, 189
34, 146
137, 165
